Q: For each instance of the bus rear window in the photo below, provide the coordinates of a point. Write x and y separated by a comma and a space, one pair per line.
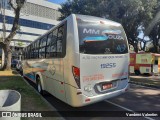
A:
97, 38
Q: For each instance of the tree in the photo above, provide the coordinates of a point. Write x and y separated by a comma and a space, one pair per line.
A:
16, 5
86, 7
153, 29
132, 14
155, 37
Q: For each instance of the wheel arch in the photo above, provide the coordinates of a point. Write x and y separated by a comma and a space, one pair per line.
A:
41, 79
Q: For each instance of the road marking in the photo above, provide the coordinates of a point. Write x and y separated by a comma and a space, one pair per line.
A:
148, 118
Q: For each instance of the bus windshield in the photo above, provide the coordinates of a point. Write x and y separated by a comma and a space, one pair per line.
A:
99, 38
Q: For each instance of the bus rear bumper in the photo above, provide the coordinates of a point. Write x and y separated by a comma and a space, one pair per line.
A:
83, 100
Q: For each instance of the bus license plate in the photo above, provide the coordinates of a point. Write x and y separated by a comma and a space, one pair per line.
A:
107, 86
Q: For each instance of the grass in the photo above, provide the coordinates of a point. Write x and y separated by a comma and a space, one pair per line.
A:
30, 100
28, 95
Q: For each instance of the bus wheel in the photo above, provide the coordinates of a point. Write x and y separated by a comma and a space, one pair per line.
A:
137, 72
39, 86
21, 72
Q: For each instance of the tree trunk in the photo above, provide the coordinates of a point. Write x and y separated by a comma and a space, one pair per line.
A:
3, 46
155, 44
157, 49
144, 46
8, 57
135, 47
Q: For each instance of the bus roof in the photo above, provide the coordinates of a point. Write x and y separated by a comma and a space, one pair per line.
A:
83, 17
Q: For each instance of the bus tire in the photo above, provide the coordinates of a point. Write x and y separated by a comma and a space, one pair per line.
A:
137, 72
21, 73
39, 86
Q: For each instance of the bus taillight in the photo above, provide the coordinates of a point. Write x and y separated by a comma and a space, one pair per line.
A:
76, 74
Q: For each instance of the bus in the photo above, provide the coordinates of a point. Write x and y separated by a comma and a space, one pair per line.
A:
82, 60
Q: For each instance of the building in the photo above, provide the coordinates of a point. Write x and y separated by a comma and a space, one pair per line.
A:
37, 16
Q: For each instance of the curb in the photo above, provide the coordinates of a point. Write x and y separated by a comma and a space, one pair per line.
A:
59, 117
145, 84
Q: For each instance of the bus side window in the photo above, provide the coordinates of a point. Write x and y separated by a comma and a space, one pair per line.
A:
53, 52
48, 46
37, 49
60, 40
26, 57
28, 52
32, 51
23, 54
42, 50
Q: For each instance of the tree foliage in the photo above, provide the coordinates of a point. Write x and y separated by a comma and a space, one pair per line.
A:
153, 29
81, 7
132, 14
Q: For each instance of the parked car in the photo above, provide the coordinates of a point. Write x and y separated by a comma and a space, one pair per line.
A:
14, 63
19, 66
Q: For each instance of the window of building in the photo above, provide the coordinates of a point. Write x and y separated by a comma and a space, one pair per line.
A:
41, 11
28, 23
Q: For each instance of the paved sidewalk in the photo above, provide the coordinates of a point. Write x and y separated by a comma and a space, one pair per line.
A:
9, 73
149, 81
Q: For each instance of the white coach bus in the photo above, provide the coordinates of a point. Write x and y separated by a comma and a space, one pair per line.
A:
82, 60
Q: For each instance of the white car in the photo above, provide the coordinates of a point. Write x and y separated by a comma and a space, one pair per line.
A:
19, 66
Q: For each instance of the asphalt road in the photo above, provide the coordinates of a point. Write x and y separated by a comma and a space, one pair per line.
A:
139, 98
135, 100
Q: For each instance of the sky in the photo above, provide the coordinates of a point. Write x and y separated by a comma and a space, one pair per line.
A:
57, 1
